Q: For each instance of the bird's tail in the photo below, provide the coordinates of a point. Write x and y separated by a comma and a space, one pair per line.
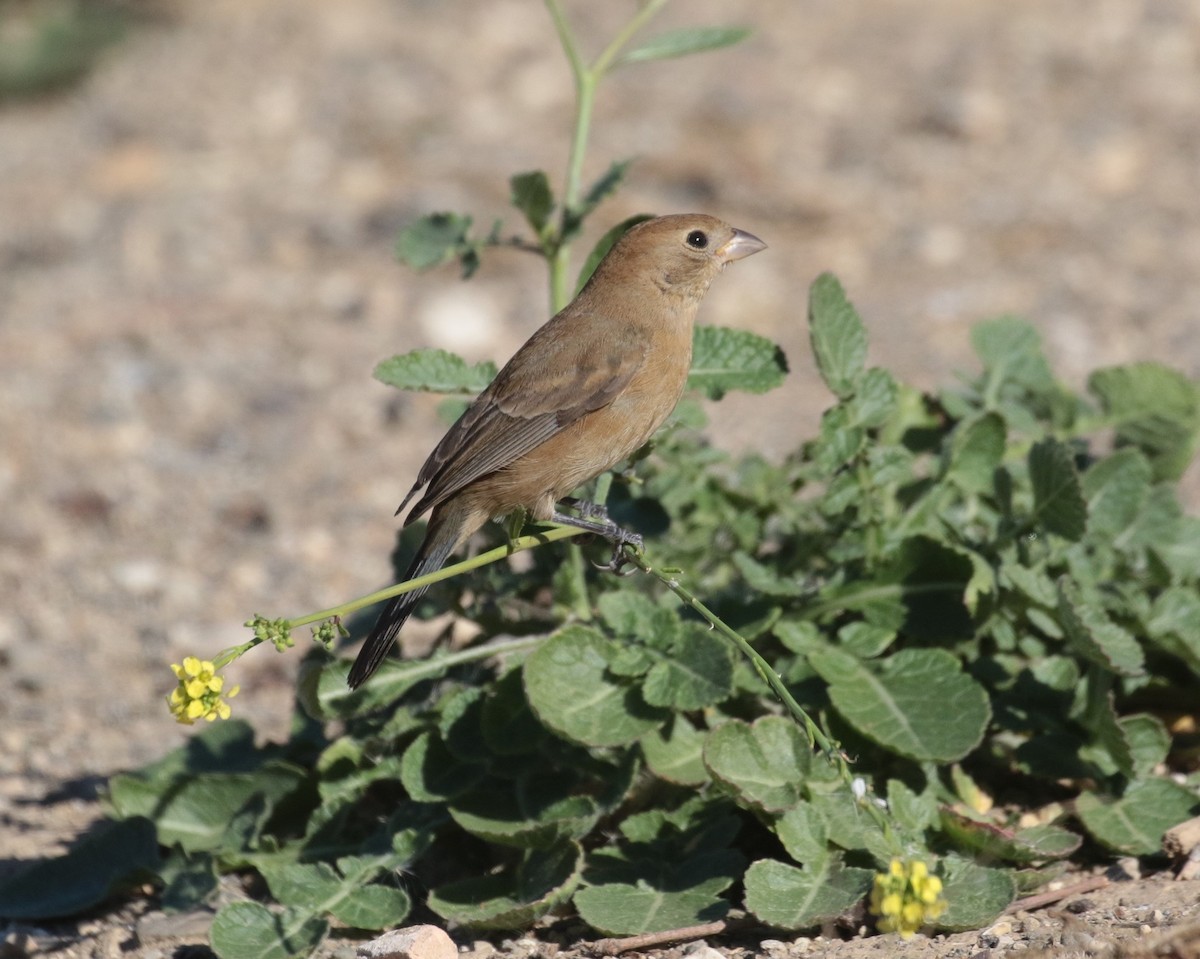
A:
444, 534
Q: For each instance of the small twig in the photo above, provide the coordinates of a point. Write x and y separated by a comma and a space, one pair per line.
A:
649, 940
1046, 898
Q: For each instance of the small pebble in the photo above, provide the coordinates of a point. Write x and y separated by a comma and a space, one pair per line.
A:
412, 942
773, 945
701, 950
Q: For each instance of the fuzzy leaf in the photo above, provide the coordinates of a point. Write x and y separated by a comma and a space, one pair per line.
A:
975, 895
687, 40
918, 703
249, 930
1156, 409
432, 240
435, 371
676, 753
1058, 501
698, 674
569, 686
531, 194
765, 763
1135, 823
839, 339
515, 898
1011, 352
793, 898
661, 894
725, 359
1094, 635
976, 448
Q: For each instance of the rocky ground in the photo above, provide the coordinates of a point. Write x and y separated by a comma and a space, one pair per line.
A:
196, 280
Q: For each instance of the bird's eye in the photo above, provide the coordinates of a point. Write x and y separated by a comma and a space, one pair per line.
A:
697, 239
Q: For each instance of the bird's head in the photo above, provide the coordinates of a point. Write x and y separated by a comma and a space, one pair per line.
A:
679, 254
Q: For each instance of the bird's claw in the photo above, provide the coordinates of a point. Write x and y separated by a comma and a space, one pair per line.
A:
620, 556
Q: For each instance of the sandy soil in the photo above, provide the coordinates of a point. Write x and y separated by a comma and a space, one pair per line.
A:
196, 280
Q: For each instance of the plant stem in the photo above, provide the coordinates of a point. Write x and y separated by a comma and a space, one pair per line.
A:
587, 78
816, 735
529, 541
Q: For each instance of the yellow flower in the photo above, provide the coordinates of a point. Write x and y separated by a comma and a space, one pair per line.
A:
198, 693
906, 897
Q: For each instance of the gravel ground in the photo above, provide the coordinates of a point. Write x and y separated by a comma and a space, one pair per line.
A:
196, 280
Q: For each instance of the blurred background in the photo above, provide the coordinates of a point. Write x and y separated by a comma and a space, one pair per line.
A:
198, 203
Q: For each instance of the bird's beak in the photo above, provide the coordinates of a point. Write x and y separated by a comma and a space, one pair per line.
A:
741, 244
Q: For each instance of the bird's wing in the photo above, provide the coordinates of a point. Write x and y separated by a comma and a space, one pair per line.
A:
536, 395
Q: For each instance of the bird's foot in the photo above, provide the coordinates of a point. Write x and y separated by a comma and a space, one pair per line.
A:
620, 563
620, 538
587, 509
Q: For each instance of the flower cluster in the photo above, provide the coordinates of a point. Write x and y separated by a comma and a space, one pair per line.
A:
198, 694
906, 897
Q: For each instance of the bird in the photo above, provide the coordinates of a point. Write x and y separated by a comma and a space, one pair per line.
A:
583, 393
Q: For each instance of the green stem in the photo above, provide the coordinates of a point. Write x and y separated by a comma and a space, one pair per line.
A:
816, 735
587, 78
529, 541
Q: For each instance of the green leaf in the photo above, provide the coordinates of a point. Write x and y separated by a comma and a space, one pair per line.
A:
1116, 489
764, 763
606, 243
1011, 352
992, 842
373, 906
698, 674
918, 703
913, 812
515, 898
1094, 636
675, 752
531, 194
1156, 409
975, 450
569, 687
317, 888
112, 857
1135, 823
687, 40
249, 930
1058, 501
1148, 739
803, 833
874, 400
431, 773
839, 339
535, 812
597, 194
195, 811
660, 894
975, 895
435, 371
433, 239
793, 898
725, 359
1174, 624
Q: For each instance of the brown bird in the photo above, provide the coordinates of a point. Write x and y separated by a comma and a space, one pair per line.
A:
583, 393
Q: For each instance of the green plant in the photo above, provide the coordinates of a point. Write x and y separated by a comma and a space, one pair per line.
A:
47, 46
988, 595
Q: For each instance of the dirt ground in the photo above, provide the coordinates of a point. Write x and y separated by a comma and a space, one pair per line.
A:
196, 279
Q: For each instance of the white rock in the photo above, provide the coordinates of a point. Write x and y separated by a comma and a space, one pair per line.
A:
412, 942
